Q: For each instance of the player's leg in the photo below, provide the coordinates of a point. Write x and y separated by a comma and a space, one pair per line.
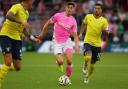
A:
91, 67
16, 65
68, 55
95, 57
7, 63
6, 50
87, 61
16, 55
59, 61
58, 55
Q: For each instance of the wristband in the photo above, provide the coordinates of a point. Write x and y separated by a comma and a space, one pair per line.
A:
32, 37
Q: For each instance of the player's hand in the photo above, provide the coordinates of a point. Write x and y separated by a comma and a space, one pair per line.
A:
80, 36
77, 49
35, 39
38, 37
26, 25
38, 41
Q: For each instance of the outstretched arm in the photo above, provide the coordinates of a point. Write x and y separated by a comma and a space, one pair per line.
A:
31, 37
45, 29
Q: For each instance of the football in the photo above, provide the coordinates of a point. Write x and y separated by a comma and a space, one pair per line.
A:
64, 80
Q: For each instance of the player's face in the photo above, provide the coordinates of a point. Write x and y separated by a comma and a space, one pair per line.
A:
97, 10
30, 3
69, 9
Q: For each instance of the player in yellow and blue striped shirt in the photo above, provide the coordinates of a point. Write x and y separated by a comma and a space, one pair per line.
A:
93, 24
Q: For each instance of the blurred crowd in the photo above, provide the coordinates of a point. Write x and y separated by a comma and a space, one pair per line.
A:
115, 11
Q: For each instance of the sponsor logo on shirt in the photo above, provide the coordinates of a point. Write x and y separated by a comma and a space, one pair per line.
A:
66, 26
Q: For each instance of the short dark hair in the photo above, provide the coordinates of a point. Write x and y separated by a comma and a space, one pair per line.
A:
71, 3
99, 4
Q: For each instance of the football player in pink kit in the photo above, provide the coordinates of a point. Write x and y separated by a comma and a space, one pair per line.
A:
64, 26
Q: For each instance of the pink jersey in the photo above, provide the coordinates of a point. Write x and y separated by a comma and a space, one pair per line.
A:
63, 26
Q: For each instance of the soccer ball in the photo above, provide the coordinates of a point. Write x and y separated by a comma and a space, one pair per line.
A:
64, 80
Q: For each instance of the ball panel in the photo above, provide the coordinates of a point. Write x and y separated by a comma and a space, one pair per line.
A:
64, 80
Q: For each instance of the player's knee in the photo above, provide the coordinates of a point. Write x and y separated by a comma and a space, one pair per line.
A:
18, 68
8, 59
87, 58
69, 62
59, 59
59, 62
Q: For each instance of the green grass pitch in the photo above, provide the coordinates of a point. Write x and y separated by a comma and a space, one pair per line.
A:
39, 71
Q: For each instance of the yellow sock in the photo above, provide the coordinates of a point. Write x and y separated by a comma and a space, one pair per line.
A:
4, 70
61, 68
92, 66
12, 67
87, 64
3, 73
90, 70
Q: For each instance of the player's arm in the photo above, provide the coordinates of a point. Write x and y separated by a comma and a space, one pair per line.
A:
106, 28
83, 26
76, 40
27, 33
45, 29
106, 31
10, 16
47, 25
30, 36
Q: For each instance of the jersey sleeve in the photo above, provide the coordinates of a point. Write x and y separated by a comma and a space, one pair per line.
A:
74, 28
27, 15
14, 9
106, 25
85, 20
54, 18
